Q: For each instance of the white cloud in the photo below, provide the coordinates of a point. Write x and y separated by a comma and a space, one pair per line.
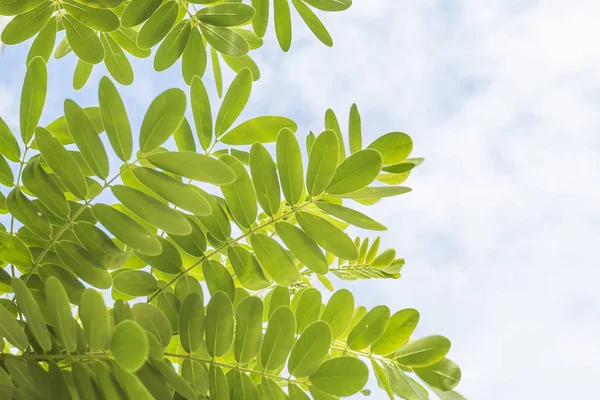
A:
499, 235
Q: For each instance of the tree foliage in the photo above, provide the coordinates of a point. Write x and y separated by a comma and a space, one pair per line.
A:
197, 280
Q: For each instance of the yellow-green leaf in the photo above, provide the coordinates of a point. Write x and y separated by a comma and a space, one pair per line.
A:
114, 118
26, 25
322, 163
351, 216
138, 11
162, 119
219, 324
228, 14
370, 328
30, 309
83, 40
248, 332
283, 23
394, 147
341, 376
274, 259
289, 164
356, 172
193, 61
129, 345
240, 194
43, 44
402, 325
194, 166
234, 102
83, 265
116, 61
191, 322
327, 235
310, 350
33, 97
28, 213
265, 180
158, 25
60, 313
127, 230
12, 331
279, 339
247, 269
260, 129
423, 352
225, 40
171, 49
99, 19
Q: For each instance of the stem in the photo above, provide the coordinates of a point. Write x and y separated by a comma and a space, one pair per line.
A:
225, 365
226, 245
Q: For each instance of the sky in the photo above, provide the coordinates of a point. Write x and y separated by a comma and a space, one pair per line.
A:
502, 100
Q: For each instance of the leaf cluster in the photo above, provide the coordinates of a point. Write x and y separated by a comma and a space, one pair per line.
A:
189, 268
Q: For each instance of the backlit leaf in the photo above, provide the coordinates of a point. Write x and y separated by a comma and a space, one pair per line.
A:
394, 147
274, 260
191, 322
194, 166
194, 58
12, 331
114, 119
339, 311
356, 172
279, 339
351, 216
228, 14
341, 376
225, 40
302, 247
116, 60
153, 320
218, 278
138, 11
423, 352
33, 97
165, 114
240, 194
60, 313
248, 332
322, 163
129, 345
283, 23
289, 164
26, 25
370, 328
219, 324
99, 19
234, 102
83, 40
443, 375
247, 269
95, 319
327, 235
135, 283
402, 325
310, 350
171, 49
158, 25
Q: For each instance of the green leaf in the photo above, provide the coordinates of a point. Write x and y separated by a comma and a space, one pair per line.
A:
38, 182
127, 230
376, 192
30, 309
162, 119
382, 379
173, 379
43, 44
196, 375
240, 194
279, 339
26, 25
129, 345
274, 259
237, 64
191, 322
28, 213
6, 175
370, 328
283, 23
86, 139
225, 40
341, 376
327, 235
247, 269
394, 147
168, 261
12, 331
61, 162
330, 5
265, 180
322, 163
423, 352
403, 385
261, 19
83, 380
83, 265
355, 130
248, 333
268, 389
83, 40
138, 11
135, 283
114, 119
339, 312
116, 61
310, 350
443, 375
95, 319
60, 313
9, 147
158, 25
9, 7
307, 309
14, 251
218, 278
81, 75
100, 245
302, 247
99, 19
194, 166
171, 49
356, 172
33, 97
186, 285
195, 243
289, 164
201, 112
153, 320
241, 386
449, 395
402, 325
127, 39
313, 22
152, 210
351, 216
229, 14
194, 59
184, 138
105, 380
296, 393
60, 130
218, 387
219, 324
131, 384
332, 124
259, 129
234, 102
173, 191
62, 49
216, 66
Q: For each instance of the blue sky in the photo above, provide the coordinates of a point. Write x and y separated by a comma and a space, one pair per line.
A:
502, 99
